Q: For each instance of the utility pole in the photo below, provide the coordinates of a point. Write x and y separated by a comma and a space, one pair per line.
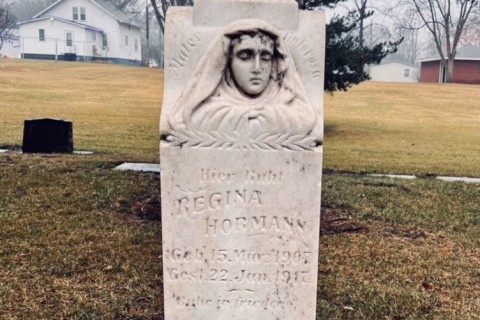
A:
148, 33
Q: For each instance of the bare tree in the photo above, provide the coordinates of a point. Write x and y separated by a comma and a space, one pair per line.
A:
26, 9
7, 22
445, 20
133, 7
471, 32
362, 14
161, 10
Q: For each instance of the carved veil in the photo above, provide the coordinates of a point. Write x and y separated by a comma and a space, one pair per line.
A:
211, 101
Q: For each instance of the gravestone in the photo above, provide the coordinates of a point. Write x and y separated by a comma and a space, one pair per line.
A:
241, 154
47, 135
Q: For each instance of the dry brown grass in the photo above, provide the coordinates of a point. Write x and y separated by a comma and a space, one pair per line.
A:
113, 108
78, 242
374, 127
73, 246
404, 128
411, 250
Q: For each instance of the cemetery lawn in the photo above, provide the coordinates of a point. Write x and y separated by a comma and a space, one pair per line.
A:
404, 129
82, 241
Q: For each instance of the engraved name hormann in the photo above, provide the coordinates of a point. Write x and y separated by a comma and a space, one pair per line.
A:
256, 225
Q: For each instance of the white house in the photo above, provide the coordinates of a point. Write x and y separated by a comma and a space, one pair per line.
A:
394, 71
81, 30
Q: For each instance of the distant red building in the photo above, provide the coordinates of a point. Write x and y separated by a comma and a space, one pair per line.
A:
466, 68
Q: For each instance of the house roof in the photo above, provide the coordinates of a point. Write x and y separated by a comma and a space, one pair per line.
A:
81, 25
464, 53
104, 5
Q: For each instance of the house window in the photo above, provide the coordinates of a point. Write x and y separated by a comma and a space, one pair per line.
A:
69, 39
126, 41
41, 34
136, 44
406, 73
83, 16
76, 16
104, 40
94, 36
75, 13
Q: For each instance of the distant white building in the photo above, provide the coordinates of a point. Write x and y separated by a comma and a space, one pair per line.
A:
81, 30
394, 71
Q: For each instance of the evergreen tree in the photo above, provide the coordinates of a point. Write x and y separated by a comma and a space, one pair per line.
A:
346, 55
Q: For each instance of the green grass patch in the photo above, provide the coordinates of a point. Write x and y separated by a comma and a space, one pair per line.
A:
73, 245
416, 254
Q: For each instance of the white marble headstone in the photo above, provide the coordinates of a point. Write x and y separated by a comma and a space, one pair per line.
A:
241, 154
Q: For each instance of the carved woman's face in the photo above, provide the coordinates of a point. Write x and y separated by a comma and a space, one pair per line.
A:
251, 63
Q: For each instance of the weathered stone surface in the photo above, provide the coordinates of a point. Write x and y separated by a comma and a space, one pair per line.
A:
186, 44
240, 234
47, 136
241, 155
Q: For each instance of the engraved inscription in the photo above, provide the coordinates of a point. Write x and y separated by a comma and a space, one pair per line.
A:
250, 176
243, 276
255, 225
243, 256
190, 206
306, 52
177, 63
212, 175
233, 301
197, 302
268, 177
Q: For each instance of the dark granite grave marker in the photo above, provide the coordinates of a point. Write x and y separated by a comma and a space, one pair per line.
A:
47, 136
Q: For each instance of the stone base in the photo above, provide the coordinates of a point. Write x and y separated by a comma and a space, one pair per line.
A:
240, 233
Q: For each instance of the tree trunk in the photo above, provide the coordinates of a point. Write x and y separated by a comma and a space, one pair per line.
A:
449, 71
158, 15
